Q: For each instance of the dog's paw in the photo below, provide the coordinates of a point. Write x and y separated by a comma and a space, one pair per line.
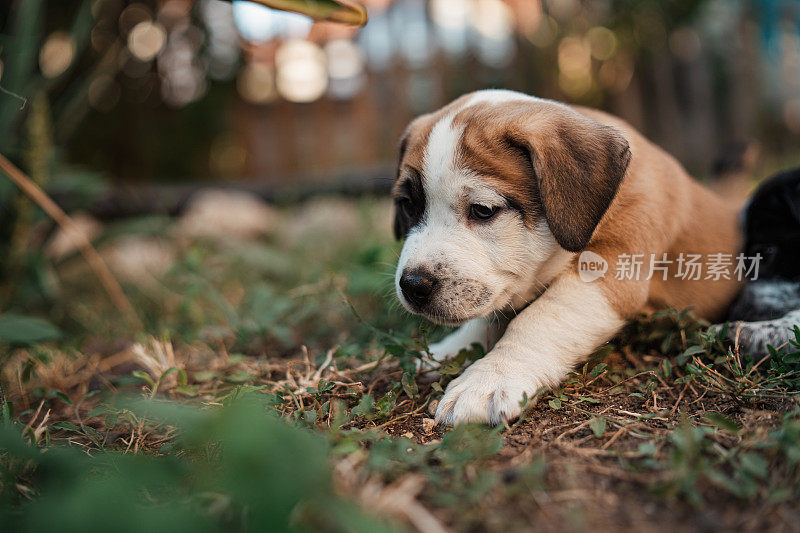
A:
488, 392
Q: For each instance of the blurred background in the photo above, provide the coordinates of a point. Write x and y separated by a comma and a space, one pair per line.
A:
178, 90
123, 109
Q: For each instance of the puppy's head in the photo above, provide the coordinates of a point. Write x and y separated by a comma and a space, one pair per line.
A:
492, 193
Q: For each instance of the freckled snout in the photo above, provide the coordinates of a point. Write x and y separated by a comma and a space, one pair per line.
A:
418, 286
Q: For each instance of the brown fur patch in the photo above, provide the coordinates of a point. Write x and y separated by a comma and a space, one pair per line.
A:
660, 209
550, 160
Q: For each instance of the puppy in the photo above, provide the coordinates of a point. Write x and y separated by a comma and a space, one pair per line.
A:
520, 207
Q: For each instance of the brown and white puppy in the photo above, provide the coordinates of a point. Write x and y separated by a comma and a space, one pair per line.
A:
496, 195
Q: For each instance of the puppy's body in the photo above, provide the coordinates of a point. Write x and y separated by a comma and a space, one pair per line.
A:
498, 193
661, 209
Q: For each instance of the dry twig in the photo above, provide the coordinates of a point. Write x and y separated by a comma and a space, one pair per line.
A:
96, 263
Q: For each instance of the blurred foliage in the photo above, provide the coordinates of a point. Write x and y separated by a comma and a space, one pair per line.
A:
22, 39
302, 283
28, 126
18, 330
240, 468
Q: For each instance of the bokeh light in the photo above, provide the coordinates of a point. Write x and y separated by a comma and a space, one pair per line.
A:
451, 18
409, 19
256, 83
345, 59
492, 18
454, 14
57, 54
182, 71
301, 71
493, 23
563, 10
616, 73
222, 52
146, 40
375, 39
345, 68
174, 11
133, 15
257, 23
546, 33
575, 64
603, 42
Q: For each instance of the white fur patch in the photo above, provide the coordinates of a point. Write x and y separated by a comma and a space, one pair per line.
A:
498, 96
539, 348
441, 151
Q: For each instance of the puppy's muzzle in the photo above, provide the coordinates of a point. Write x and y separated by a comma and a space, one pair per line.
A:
418, 286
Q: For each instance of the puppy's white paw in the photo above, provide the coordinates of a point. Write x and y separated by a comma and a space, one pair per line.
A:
488, 392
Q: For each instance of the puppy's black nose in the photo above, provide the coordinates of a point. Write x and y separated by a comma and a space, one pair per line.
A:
417, 286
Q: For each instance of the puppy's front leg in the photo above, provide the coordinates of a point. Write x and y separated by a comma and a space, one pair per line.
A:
539, 348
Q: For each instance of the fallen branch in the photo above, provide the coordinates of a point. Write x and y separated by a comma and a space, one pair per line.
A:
96, 263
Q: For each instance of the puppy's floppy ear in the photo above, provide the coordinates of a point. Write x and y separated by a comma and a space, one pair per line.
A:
400, 221
579, 165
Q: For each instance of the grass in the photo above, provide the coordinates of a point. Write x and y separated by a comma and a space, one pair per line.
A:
275, 389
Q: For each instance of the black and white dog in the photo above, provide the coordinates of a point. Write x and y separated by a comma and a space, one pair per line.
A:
769, 307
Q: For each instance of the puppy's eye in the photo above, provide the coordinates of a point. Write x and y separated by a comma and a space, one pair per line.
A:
404, 205
482, 212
